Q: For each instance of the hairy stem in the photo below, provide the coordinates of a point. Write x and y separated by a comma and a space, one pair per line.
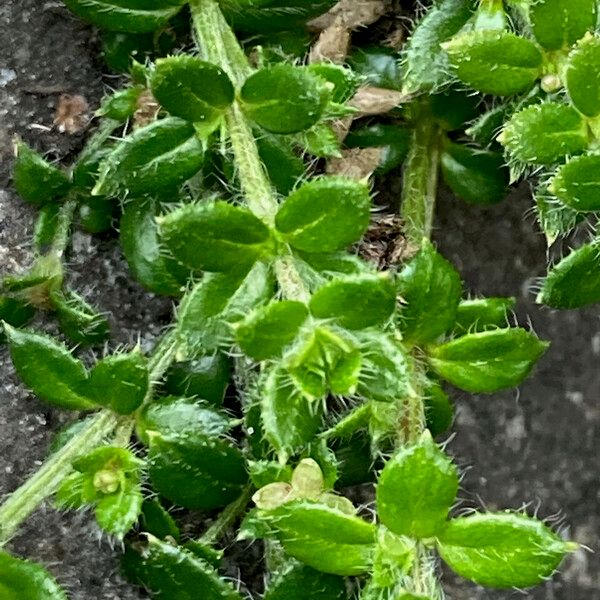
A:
228, 516
419, 194
63, 228
23, 501
421, 178
218, 44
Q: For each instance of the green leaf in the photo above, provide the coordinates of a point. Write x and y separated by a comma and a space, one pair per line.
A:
299, 582
220, 300
560, 23
148, 260
378, 66
430, 289
488, 361
387, 368
344, 80
477, 176
206, 377
502, 549
78, 320
325, 214
266, 332
15, 312
416, 490
120, 382
172, 415
439, 412
425, 66
159, 156
582, 76
577, 183
35, 179
495, 62
121, 105
155, 519
264, 472
321, 141
285, 99
215, 236
555, 218
191, 88
117, 513
173, 573
107, 478
268, 16
324, 361
324, 538
285, 168
453, 107
480, 314
97, 213
48, 368
355, 302
22, 579
543, 134
290, 420
130, 16
392, 140
575, 281
196, 470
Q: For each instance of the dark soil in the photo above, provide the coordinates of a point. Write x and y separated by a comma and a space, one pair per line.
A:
537, 447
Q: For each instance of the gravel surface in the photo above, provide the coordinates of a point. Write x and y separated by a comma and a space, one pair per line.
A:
535, 448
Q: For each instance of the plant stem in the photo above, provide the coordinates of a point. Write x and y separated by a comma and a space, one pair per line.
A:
357, 418
218, 44
228, 516
23, 501
420, 181
419, 193
63, 228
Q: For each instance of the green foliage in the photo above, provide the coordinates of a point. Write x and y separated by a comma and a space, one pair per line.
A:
426, 313
308, 350
488, 361
24, 579
215, 236
131, 16
173, 572
495, 62
324, 215
502, 549
109, 480
416, 489
191, 89
161, 155
544, 133
560, 23
478, 176
574, 281
285, 99
324, 538
48, 368
35, 179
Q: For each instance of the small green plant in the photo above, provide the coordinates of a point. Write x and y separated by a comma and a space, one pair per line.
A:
338, 357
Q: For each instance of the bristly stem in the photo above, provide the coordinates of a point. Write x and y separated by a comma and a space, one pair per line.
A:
218, 44
419, 193
421, 178
26, 499
23, 501
228, 517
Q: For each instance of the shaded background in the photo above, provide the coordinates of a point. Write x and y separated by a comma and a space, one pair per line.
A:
536, 447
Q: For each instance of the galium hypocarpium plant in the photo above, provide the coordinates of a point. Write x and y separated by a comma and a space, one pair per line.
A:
207, 160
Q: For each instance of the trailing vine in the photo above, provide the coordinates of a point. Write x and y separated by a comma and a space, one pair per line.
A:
228, 168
